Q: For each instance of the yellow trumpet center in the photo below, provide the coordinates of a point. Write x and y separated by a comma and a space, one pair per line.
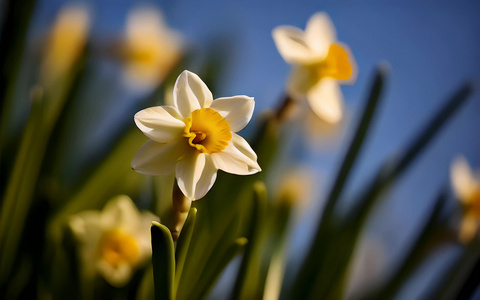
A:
207, 131
118, 247
335, 65
472, 206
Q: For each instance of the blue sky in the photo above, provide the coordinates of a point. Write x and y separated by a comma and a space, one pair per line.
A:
431, 47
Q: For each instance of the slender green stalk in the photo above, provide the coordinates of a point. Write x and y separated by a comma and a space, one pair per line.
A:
252, 252
163, 260
183, 243
421, 247
390, 171
214, 271
305, 282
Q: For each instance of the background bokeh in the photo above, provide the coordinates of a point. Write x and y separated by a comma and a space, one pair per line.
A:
430, 46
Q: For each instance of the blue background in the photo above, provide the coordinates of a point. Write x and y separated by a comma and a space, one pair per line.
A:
432, 47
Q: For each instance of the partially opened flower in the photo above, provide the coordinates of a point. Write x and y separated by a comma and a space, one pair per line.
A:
151, 49
196, 137
66, 41
319, 62
467, 189
114, 241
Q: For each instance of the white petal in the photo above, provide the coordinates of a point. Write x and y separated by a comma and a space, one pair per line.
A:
293, 46
117, 276
320, 33
190, 93
237, 158
195, 174
158, 159
120, 212
300, 82
463, 181
160, 123
237, 110
326, 100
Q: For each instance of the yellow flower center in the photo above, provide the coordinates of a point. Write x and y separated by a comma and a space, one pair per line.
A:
145, 56
207, 131
118, 247
472, 207
335, 65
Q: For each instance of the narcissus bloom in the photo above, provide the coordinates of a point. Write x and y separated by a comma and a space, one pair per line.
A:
66, 41
467, 189
319, 62
114, 241
151, 49
195, 137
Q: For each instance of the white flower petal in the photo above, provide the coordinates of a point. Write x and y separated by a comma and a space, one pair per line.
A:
160, 123
293, 46
120, 212
118, 276
190, 93
195, 174
237, 158
463, 181
320, 33
158, 159
237, 110
299, 82
326, 100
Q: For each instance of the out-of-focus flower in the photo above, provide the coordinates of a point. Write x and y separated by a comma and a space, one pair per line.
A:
319, 62
196, 137
467, 189
151, 49
296, 185
114, 241
65, 43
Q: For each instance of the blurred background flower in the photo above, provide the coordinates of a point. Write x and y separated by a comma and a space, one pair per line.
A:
115, 241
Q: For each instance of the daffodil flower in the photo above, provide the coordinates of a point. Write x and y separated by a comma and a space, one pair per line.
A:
66, 41
151, 49
195, 137
319, 62
467, 189
114, 241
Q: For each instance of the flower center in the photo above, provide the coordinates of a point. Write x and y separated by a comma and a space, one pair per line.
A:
335, 65
207, 131
118, 247
472, 207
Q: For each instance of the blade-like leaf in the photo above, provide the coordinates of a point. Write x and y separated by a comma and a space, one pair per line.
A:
312, 264
252, 252
391, 170
421, 247
214, 271
163, 260
183, 243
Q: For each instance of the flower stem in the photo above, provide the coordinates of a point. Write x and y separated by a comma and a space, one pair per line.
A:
181, 206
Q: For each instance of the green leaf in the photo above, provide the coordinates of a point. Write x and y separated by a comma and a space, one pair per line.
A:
212, 274
390, 171
163, 260
183, 243
312, 265
426, 241
247, 276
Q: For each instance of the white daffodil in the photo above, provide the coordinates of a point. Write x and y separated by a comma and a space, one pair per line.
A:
151, 49
467, 189
66, 41
114, 241
319, 62
195, 137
